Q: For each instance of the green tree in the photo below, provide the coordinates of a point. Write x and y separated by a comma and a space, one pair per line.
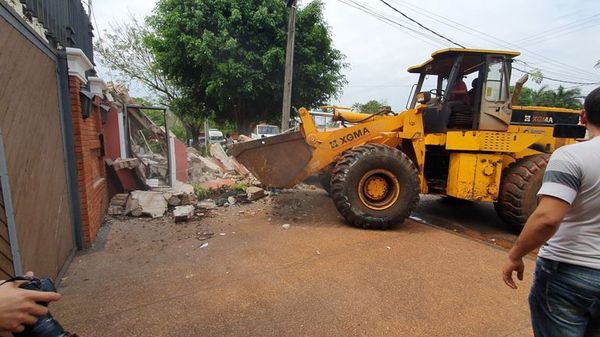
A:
229, 55
559, 98
123, 50
370, 107
565, 98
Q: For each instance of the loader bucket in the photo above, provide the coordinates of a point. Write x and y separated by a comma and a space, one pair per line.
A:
277, 161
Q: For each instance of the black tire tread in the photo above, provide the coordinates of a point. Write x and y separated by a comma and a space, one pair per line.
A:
515, 181
338, 180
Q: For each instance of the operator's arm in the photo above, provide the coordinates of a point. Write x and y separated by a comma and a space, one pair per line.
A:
540, 227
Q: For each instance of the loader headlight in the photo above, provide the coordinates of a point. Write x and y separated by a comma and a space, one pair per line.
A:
423, 97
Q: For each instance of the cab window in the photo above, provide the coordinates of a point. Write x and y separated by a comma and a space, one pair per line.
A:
495, 88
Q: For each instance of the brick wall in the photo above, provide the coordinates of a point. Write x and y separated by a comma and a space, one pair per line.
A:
90, 164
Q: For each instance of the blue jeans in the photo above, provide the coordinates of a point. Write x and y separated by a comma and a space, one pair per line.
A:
565, 300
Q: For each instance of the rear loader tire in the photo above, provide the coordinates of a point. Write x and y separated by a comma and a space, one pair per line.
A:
518, 189
375, 186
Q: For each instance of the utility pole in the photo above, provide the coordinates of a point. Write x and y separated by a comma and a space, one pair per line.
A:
289, 67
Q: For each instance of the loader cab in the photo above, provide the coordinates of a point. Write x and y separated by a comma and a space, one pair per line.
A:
465, 89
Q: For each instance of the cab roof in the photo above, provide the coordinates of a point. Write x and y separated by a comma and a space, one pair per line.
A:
441, 61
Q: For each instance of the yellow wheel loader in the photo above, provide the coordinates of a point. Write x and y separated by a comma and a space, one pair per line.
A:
482, 148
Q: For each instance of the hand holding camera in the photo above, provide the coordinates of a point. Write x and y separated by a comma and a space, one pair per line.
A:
24, 307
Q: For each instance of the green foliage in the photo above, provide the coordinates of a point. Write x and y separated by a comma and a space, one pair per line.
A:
239, 187
537, 76
559, 98
124, 51
229, 56
201, 192
370, 107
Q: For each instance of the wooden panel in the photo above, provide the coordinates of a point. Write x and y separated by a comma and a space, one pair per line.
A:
5, 249
30, 122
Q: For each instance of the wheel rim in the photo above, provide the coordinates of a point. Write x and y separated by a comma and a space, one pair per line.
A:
378, 189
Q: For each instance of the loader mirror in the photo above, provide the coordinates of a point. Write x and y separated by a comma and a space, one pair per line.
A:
423, 97
569, 131
514, 100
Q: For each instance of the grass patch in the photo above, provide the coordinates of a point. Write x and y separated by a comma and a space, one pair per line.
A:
238, 187
201, 192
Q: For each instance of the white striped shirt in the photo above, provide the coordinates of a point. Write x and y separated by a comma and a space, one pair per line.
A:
573, 175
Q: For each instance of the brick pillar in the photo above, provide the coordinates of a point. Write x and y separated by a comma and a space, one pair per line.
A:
90, 164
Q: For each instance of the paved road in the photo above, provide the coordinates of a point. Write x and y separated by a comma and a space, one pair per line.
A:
477, 220
318, 278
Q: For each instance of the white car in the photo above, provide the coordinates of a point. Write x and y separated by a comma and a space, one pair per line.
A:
214, 136
264, 130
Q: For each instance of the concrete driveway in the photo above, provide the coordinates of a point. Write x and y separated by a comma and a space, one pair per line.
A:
318, 278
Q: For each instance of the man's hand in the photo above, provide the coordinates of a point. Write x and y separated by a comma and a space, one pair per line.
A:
507, 271
18, 306
540, 227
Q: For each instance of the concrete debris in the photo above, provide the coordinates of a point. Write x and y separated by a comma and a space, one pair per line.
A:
231, 200
155, 168
207, 164
244, 138
153, 182
184, 188
133, 208
217, 184
217, 152
128, 163
173, 201
286, 226
148, 202
183, 213
204, 235
117, 204
119, 199
254, 193
206, 204
115, 210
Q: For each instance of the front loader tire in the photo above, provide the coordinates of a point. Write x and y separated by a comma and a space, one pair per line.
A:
518, 189
325, 181
375, 186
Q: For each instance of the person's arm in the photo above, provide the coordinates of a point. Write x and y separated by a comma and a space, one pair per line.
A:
18, 307
540, 227
562, 181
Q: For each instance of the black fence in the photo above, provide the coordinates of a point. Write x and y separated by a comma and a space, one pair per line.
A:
66, 21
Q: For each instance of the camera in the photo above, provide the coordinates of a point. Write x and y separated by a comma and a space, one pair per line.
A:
46, 326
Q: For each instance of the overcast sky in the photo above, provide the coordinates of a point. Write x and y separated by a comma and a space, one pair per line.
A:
559, 37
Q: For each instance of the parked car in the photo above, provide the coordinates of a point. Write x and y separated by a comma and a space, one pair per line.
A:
214, 136
264, 130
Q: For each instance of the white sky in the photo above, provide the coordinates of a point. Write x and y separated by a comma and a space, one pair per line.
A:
379, 53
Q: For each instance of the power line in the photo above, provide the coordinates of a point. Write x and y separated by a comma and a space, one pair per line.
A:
468, 31
558, 29
407, 30
557, 80
471, 31
418, 23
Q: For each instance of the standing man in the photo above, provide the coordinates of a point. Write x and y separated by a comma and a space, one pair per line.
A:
565, 296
